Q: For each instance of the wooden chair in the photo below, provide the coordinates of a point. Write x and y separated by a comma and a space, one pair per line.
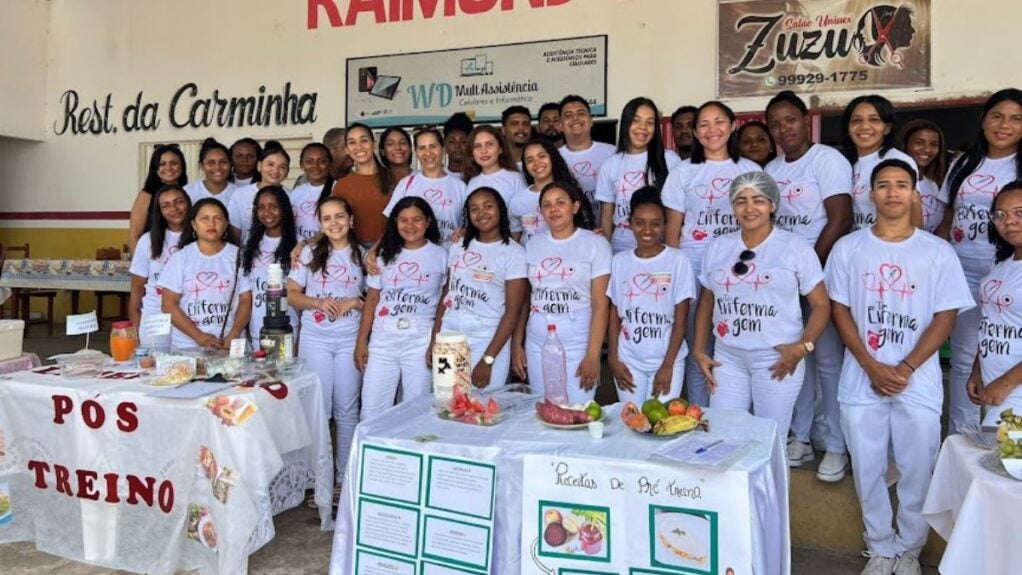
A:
122, 297
23, 296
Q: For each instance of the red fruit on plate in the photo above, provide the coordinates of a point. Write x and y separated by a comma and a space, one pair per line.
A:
492, 408
477, 406
694, 411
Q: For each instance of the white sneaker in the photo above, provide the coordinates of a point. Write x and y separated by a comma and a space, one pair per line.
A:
799, 453
907, 565
880, 565
833, 467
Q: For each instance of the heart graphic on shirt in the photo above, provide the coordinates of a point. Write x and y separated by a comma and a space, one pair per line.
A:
408, 269
722, 185
582, 168
957, 234
699, 235
981, 183
318, 316
890, 274
551, 265
434, 195
172, 250
264, 258
722, 328
471, 258
335, 271
873, 340
635, 178
206, 279
307, 208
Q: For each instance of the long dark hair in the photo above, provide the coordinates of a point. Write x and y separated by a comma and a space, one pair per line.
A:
157, 223
472, 232
188, 234
938, 166
698, 151
328, 185
383, 141
655, 162
884, 108
288, 234
1002, 249
472, 169
392, 243
584, 218
560, 172
766, 130
258, 152
382, 172
152, 179
970, 160
322, 248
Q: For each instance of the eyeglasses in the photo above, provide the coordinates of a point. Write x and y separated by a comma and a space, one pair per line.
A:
741, 268
998, 216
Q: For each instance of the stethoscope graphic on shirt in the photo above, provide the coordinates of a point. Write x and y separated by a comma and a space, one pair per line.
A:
405, 273
205, 281
789, 192
984, 184
989, 295
551, 267
889, 278
729, 279
717, 188
655, 285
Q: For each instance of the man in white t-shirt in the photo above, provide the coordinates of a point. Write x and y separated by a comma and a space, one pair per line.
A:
583, 156
896, 293
516, 125
815, 182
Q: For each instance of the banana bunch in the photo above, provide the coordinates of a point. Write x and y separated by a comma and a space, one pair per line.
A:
675, 424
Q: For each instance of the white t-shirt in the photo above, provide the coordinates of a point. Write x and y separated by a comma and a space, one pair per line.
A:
506, 182
525, 215
561, 271
446, 196
241, 182
304, 200
646, 292
143, 266
760, 309
805, 183
204, 283
618, 179
893, 290
934, 200
410, 285
700, 192
239, 211
478, 275
1000, 331
257, 280
864, 213
972, 206
585, 165
341, 278
197, 190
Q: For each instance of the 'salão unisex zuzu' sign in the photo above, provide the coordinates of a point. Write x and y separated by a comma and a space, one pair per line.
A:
822, 46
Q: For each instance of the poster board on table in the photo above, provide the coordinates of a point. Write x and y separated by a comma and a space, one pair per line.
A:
602, 517
420, 513
765, 46
421, 88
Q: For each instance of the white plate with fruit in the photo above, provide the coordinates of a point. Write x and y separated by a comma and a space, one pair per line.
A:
1009, 442
666, 420
570, 416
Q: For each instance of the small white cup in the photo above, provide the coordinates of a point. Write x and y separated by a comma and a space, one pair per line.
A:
596, 429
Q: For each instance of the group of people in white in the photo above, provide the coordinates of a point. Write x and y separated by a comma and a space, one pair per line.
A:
755, 268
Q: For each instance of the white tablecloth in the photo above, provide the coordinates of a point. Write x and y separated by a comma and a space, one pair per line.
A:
508, 442
278, 453
978, 513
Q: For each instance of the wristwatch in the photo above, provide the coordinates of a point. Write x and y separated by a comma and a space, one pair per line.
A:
488, 359
809, 346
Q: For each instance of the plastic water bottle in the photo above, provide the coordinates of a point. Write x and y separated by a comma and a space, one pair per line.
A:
555, 371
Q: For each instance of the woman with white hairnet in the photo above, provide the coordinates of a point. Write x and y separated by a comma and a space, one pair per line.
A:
752, 280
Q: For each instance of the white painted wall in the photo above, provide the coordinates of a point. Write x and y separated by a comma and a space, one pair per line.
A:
665, 49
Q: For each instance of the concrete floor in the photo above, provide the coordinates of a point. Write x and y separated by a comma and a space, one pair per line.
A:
300, 547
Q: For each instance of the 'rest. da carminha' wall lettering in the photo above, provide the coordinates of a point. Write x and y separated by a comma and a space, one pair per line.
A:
188, 108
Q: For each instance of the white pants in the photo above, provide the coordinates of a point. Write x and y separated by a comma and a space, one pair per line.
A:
912, 435
396, 356
964, 339
333, 360
573, 331
643, 380
823, 372
695, 383
743, 381
479, 332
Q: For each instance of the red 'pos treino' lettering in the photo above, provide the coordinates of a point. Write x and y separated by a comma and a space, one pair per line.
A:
94, 415
86, 484
384, 11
